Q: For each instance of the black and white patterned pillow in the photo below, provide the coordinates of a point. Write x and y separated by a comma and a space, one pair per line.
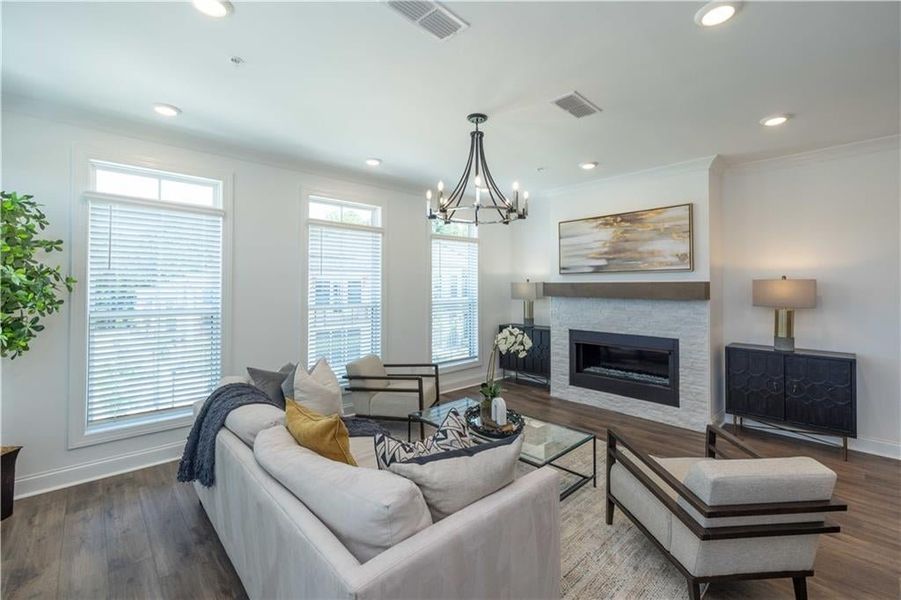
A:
452, 434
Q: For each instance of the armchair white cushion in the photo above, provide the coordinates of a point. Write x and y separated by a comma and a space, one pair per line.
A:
370, 365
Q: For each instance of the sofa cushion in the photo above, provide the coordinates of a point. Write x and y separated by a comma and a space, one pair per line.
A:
326, 436
454, 479
363, 450
368, 510
249, 420
760, 480
371, 366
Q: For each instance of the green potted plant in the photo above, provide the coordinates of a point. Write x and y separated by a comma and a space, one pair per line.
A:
510, 339
29, 291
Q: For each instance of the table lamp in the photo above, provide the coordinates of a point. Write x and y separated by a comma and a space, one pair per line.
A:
528, 292
785, 295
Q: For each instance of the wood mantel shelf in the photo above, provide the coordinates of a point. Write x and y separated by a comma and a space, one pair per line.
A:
633, 290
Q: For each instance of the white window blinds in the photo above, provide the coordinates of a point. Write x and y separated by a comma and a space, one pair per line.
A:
455, 299
345, 294
154, 309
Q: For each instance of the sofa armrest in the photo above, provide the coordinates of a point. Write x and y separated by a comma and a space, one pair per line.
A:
505, 545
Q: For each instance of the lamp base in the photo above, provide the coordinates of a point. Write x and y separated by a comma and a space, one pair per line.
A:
528, 312
784, 330
784, 344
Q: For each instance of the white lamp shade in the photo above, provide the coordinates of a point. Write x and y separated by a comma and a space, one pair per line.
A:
785, 293
527, 290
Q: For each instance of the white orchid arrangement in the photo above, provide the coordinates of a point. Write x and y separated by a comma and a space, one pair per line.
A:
510, 339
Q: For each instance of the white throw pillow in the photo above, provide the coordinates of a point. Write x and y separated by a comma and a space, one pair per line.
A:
319, 389
454, 479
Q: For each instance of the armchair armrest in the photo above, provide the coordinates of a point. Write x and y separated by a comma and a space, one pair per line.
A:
417, 390
713, 432
434, 374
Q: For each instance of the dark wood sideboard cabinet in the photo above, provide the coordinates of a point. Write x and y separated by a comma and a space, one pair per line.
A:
809, 390
536, 366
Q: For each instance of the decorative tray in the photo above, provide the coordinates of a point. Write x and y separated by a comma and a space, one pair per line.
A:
473, 418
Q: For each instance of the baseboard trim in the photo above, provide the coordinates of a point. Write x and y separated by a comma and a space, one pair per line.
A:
860, 444
463, 384
55, 479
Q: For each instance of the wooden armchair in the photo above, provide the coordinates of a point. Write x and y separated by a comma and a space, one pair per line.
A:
379, 391
727, 519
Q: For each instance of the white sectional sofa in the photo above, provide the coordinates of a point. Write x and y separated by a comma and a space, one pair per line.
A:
506, 545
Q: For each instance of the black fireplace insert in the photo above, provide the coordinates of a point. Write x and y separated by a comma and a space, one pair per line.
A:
636, 366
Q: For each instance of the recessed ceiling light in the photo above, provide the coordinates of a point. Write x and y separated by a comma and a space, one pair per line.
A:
214, 8
588, 165
167, 110
774, 120
373, 162
716, 13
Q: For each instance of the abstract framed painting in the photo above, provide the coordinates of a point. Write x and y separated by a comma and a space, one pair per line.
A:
656, 239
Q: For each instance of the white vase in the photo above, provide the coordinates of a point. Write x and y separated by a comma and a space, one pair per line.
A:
499, 411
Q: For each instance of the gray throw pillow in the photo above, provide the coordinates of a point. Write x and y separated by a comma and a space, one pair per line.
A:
288, 383
270, 382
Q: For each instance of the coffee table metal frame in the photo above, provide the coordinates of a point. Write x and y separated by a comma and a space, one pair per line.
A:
581, 478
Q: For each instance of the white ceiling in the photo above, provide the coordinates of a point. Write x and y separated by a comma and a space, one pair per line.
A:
338, 82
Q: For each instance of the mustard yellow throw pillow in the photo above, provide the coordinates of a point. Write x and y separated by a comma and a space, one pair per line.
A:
326, 436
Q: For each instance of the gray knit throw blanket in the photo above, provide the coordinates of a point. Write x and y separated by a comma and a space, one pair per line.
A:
198, 462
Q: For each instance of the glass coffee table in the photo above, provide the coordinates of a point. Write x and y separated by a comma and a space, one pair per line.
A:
543, 443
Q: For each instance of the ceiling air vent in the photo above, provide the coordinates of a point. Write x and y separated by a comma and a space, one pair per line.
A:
430, 16
577, 105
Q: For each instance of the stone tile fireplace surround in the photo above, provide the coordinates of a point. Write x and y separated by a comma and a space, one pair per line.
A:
685, 320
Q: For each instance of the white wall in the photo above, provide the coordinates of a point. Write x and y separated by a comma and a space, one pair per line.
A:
831, 215
267, 325
537, 251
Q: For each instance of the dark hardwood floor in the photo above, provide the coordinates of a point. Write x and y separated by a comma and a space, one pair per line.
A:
142, 535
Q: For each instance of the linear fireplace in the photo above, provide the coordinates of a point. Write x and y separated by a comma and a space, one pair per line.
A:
637, 366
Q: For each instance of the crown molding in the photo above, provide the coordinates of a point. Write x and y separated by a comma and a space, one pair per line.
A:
694, 165
820, 155
148, 132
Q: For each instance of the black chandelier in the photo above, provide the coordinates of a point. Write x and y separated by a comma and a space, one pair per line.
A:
499, 210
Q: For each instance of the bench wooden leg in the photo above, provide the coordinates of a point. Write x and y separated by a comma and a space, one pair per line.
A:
609, 514
694, 590
800, 584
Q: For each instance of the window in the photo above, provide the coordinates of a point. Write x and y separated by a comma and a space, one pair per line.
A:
154, 295
455, 293
344, 286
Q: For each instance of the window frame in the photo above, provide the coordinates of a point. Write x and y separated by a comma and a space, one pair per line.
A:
352, 199
185, 167
471, 362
